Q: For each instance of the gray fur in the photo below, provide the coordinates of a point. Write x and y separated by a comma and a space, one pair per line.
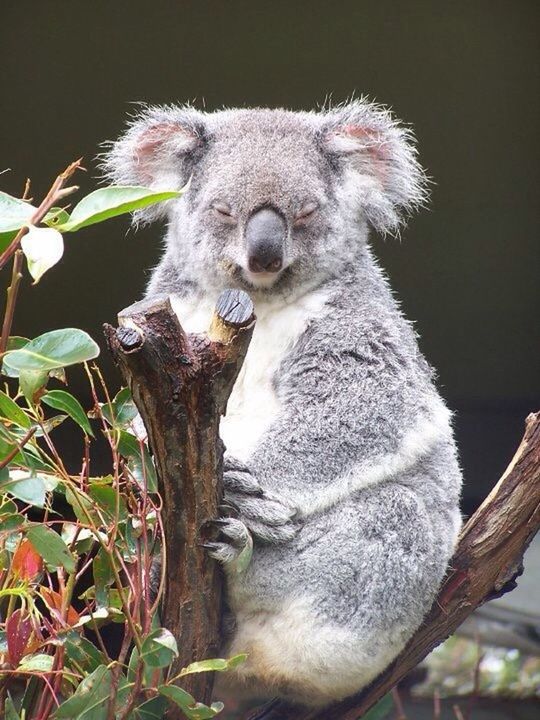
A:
352, 493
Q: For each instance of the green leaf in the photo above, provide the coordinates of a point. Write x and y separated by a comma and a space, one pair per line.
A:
121, 411
31, 382
82, 507
215, 664
13, 412
193, 711
51, 350
181, 697
7, 506
40, 662
129, 447
6, 239
159, 648
89, 701
8, 523
51, 547
108, 499
381, 709
111, 201
15, 342
56, 216
64, 401
153, 709
25, 486
103, 577
14, 213
10, 711
83, 652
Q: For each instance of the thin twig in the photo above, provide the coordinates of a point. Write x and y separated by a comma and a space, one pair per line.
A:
12, 291
18, 447
56, 192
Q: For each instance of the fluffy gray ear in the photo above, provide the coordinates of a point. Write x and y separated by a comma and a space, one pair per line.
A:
388, 179
158, 150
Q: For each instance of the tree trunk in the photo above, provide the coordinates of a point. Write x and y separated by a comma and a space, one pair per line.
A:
181, 384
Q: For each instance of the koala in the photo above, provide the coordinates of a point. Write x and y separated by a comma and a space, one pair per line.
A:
340, 460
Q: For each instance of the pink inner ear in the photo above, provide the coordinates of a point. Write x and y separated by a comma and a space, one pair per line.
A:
371, 142
372, 139
158, 135
154, 139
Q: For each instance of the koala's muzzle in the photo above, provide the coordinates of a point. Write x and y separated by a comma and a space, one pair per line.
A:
266, 231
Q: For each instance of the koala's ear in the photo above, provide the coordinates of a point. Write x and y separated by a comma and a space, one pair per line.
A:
388, 180
158, 150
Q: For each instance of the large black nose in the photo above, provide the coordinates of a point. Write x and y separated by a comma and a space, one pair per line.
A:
266, 231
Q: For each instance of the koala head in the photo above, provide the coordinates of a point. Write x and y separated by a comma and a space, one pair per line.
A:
276, 199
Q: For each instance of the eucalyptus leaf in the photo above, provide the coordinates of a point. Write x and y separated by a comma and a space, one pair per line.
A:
15, 342
109, 501
64, 401
51, 547
14, 213
213, 664
90, 699
56, 216
83, 652
129, 447
153, 709
31, 382
10, 713
159, 649
121, 410
25, 486
43, 248
111, 201
54, 349
181, 697
40, 663
6, 238
13, 412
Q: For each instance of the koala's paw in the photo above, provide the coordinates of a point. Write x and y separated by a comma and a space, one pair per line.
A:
234, 547
266, 516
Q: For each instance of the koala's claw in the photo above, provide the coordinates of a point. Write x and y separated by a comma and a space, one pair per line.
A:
237, 547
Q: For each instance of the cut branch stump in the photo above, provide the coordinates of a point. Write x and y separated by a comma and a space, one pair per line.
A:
181, 384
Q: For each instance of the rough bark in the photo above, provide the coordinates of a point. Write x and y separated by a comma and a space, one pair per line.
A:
181, 384
487, 561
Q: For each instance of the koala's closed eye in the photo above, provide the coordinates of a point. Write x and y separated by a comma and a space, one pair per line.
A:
223, 211
305, 213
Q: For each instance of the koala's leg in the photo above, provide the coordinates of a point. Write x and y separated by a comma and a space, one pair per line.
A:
321, 616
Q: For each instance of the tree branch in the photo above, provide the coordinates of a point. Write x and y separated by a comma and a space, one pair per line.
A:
181, 384
487, 561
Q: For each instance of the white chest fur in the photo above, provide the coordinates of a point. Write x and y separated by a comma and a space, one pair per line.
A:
254, 405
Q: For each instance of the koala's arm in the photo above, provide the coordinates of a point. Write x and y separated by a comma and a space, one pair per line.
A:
358, 406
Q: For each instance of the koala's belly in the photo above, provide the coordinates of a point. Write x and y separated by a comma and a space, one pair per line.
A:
254, 403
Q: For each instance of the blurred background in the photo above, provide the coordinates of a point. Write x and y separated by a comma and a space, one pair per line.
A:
465, 75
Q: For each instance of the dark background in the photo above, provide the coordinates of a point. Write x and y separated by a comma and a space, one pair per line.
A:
464, 74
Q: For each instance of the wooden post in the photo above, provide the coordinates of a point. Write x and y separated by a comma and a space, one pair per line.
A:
181, 384
485, 565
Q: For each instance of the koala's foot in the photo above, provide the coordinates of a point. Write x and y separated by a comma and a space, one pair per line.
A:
267, 518
235, 546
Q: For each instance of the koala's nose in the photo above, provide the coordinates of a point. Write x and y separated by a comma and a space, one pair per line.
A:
266, 231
